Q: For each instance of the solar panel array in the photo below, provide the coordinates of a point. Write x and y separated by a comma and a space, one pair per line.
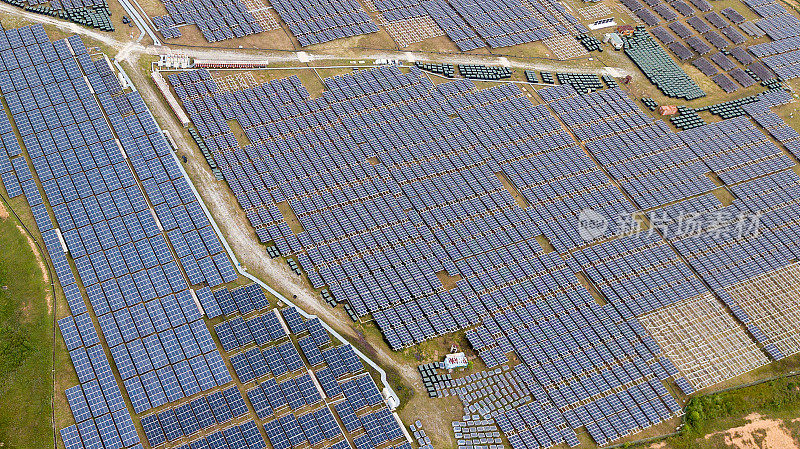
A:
96, 402
369, 170
313, 22
218, 20
294, 398
781, 54
497, 23
778, 55
87, 139
204, 413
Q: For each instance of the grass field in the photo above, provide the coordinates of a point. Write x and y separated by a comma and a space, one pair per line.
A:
26, 341
775, 403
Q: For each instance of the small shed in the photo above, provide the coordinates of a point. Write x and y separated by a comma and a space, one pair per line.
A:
455, 360
668, 109
614, 39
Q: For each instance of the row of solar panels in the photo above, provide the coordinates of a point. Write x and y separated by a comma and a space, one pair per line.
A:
167, 353
217, 408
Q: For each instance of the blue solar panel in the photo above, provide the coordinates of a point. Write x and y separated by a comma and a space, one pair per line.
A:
252, 435
348, 416
235, 401
170, 425
127, 431
152, 430
69, 332
224, 298
293, 430
186, 419
218, 369
218, 404
77, 403
83, 366
71, 437
294, 320
137, 394
155, 392
205, 379
274, 394
186, 378
203, 413
208, 302
258, 399
276, 435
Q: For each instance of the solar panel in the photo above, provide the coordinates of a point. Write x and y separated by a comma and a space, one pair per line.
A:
219, 406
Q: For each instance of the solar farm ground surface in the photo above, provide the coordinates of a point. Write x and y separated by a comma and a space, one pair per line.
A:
237, 230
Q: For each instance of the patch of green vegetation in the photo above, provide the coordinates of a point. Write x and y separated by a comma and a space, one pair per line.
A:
779, 398
26, 344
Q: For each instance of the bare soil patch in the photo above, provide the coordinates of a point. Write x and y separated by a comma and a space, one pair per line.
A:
759, 433
290, 217
512, 189
448, 282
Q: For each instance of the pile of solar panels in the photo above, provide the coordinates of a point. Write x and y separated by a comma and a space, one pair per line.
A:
423, 440
273, 251
327, 297
735, 108
212, 164
659, 68
590, 43
483, 72
314, 22
610, 81
447, 70
582, 82
93, 14
430, 377
218, 20
650, 103
687, 118
474, 432
293, 405
293, 266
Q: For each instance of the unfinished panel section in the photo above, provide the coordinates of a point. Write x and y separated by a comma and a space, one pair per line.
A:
703, 340
772, 300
